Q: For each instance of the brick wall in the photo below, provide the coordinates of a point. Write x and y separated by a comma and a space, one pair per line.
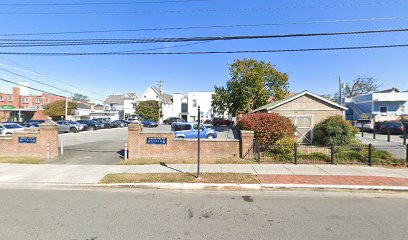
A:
47, 134
185, 149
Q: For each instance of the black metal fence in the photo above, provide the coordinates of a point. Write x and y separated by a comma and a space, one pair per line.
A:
393, 155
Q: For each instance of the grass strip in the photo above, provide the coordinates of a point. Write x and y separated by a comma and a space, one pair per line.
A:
22, 160
180, 178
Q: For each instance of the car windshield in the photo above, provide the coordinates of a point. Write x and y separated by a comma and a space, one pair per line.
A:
12, 126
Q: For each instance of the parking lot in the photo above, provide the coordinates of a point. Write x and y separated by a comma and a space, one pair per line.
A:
103, 146
106, 146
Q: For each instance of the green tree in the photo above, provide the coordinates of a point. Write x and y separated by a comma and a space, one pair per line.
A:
80, 97
250, 86
149, 110
57, 108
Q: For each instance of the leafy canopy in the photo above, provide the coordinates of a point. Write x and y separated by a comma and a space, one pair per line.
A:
149, 110
250, 86
57, 108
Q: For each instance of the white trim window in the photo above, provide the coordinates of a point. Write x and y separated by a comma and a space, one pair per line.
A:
2, 98
10, 98
383, 110
38, 100
26, 100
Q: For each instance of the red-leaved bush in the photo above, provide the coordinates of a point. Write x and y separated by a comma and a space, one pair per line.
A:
268, 127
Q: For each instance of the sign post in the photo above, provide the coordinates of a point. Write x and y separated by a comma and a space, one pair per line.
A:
198, 142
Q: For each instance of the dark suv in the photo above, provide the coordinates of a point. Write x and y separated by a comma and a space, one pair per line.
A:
392, 127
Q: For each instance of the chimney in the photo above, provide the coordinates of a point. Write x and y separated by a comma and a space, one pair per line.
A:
16, 97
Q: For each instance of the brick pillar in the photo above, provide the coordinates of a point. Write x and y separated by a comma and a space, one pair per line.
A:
246, 143
49, 135
134, 130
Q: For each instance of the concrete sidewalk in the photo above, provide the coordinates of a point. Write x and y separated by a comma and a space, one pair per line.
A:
92, 174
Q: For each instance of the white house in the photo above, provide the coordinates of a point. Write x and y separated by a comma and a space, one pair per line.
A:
180, 105
124, 104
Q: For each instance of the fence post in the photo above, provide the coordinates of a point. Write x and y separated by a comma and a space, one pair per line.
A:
370, 154
374, 132
406, 153
388, 135
404, 141
126, 151
62, 147
258, 151
332, 153
47, 147
295, 154
362, 132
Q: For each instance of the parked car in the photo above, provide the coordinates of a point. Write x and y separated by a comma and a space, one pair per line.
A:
172, 120
103, 122
115, 124
10, 128
364, 124
221, 122
92, 125
121, 123
190, 130
82, 127
392, 127
149, 123
29, 125
35, 122
66, 126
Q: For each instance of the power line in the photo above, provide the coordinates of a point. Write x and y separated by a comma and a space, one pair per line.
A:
77, 42
40, 74
260, 9
100, 3
32, 88
208, 27
202, 52
42, 83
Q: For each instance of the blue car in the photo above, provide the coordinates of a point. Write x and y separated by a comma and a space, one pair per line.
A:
149, 123
190, 130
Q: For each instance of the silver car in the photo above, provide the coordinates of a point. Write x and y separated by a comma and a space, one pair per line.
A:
10, 128
67, 126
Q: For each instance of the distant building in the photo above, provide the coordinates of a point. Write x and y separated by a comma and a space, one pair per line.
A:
387, 105
124, 104
16, 106
180, 105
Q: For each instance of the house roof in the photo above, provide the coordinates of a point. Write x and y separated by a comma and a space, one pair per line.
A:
83, 106
393, 89
278, 103
166, 97
116, 99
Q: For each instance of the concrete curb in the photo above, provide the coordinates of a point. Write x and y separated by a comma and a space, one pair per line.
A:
252, 187
206, 186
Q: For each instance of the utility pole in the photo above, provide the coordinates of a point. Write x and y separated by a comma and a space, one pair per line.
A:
198, 142
161, 84
340, 92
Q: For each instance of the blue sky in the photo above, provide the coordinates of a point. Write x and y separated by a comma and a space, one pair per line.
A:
98, 76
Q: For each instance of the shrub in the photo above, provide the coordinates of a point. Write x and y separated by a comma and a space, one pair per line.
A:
334, 130
316, 156
268, 127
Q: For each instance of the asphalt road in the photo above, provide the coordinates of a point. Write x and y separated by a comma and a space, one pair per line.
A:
149, 214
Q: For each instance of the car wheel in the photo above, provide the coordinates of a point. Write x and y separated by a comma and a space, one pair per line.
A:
73, 130
180, 137
210, 136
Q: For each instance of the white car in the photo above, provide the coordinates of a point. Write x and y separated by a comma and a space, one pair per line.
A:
10, 128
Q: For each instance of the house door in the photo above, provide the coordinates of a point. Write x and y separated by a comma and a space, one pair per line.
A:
304, 127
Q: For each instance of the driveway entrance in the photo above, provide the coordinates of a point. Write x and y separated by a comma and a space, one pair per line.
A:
101, 147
